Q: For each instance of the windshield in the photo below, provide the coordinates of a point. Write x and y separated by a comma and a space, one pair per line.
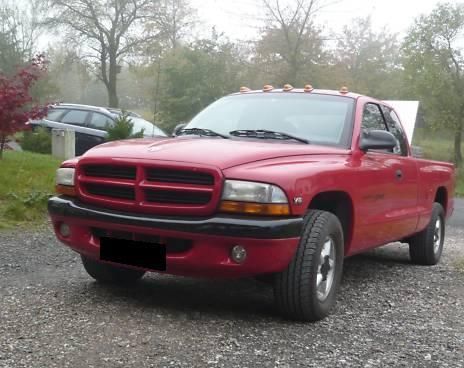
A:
148, 128
320, 119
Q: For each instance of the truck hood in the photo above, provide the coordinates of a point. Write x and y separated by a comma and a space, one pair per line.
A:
217, 152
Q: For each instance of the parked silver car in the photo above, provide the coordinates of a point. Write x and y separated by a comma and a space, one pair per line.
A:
91, 122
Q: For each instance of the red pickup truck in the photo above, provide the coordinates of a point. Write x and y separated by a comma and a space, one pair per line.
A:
280, 184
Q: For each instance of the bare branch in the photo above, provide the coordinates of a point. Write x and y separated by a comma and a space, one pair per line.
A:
111, 26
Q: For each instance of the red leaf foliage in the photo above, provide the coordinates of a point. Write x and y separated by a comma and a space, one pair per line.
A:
17, 105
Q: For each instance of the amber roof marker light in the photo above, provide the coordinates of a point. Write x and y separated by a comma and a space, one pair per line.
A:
308, 88
344, 90
268, 88
288, 88
244, 89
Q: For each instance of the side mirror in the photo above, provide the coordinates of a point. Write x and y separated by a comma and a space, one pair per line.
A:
178, 128
377, 140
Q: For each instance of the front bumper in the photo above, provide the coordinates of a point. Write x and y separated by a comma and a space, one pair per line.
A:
270, 243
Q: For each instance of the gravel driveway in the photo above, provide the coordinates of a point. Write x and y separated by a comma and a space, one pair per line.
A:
389, 313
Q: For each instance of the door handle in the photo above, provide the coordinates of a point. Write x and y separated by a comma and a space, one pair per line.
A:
399, 174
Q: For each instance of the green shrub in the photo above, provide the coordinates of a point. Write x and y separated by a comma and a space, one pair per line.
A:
123, 129
39, 141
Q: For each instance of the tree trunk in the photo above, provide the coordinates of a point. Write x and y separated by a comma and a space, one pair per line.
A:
112, 95
457, 147
112, 81
293, 72
157, 90
2, 144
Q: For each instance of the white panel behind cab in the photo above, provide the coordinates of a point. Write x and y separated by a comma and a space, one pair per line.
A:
407, 111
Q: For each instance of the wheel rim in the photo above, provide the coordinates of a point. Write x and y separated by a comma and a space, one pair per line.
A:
437, 235
326, 269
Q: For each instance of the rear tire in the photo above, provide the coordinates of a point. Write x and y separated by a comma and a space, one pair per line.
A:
426, 247
109, 274
306, 290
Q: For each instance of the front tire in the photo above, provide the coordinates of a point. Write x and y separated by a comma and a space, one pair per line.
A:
109, 274
306, 290
426, 247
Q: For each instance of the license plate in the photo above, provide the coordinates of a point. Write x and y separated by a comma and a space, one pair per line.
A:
133, 253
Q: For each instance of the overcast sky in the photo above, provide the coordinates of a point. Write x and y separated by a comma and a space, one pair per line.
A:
241, 19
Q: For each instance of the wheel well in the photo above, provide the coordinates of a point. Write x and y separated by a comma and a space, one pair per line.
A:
442, 197
341, 205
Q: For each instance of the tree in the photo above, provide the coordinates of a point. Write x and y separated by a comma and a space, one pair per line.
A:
71, 76
16, 104
110, 29
174, 19
18, 34
367, 61
290, 37
434, 62
195, 76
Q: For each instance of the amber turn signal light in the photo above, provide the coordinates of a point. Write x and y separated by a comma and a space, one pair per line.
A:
308, 88
248, 208
288, 88
65, 190
268, 88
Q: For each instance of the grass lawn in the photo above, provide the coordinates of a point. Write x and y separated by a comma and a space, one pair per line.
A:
26, 182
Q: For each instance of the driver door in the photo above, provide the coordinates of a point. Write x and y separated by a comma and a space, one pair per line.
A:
387, 189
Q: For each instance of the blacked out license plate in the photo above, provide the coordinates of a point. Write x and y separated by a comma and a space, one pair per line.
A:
133, 253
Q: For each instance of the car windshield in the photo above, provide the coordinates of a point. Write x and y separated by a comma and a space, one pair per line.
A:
320, 119
148, 128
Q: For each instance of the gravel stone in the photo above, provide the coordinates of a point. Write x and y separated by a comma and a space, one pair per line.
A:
390, 313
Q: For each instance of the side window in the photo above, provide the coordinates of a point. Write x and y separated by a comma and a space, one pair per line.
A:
373, 118
99, 121
54, 114
394, 127
75, 117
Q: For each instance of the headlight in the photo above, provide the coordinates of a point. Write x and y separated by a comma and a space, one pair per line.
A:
65, 181
254, 199
247, 191
65, 176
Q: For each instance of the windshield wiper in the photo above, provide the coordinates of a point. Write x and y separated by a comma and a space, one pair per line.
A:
202, 132
266, 134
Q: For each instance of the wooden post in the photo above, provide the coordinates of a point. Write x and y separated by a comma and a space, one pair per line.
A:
63, 143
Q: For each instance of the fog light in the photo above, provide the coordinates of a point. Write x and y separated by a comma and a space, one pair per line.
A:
238, 254
65, 231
